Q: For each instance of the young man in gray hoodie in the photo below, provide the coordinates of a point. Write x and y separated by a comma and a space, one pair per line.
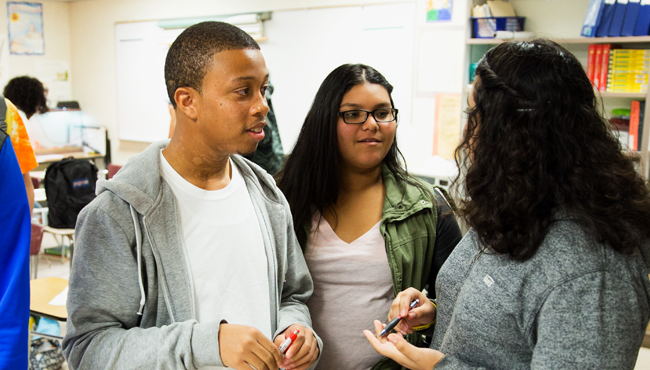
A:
187, 258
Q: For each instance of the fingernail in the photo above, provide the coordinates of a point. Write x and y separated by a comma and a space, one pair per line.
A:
392, 339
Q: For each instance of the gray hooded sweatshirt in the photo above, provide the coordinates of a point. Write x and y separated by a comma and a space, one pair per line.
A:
131, 301
576, 304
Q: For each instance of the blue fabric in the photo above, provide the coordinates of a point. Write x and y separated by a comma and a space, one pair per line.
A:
15, 235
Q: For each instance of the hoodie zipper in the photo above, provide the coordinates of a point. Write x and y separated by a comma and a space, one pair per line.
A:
163, 286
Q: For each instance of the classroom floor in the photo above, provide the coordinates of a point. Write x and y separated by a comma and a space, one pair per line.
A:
54, 267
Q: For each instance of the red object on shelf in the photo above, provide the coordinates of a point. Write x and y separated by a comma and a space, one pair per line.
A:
591, 59
597, 64
604, 67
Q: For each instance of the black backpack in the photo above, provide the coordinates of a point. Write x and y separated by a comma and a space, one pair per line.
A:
69, 186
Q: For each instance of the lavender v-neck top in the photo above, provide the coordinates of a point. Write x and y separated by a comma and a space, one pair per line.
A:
352, 287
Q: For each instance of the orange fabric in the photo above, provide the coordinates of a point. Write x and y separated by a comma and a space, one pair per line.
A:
20, 139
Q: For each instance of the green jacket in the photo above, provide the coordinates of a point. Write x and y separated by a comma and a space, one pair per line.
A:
408, 225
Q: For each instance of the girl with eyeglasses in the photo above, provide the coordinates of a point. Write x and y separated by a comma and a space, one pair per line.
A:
554, 272
367, 228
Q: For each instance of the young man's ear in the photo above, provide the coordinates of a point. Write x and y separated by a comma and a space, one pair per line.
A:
187, 100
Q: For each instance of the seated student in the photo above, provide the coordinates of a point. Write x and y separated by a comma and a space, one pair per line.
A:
554, 272
369, 229
14, 265
187, 257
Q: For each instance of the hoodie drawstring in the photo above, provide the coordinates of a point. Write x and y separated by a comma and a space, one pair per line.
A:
138, 237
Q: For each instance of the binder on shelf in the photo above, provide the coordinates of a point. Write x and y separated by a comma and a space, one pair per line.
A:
606, 18
598, 60
617, 18
643, 19
631, 15
591, 59
604, 68
641, 118
635, 109
594, 11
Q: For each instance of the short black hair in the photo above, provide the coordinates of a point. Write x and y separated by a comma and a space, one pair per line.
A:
190, 55
27, 93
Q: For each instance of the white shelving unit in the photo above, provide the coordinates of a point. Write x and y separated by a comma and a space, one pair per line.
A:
561, 21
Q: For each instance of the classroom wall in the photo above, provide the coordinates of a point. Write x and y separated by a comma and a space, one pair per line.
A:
93, 58
56, 28
93, 47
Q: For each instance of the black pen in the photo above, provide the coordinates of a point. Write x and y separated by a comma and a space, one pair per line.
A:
393, 322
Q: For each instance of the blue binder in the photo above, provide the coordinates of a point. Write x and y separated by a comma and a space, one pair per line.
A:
606, 18
617, 19
643, 19
594, 10
631, 15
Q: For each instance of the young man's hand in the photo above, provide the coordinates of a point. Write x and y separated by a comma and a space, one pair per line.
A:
303, 352
243, 346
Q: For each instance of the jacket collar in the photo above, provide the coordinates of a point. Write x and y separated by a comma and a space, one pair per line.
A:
403, 200
135, 182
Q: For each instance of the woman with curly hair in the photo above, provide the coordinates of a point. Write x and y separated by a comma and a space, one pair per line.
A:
554, 272
368, 229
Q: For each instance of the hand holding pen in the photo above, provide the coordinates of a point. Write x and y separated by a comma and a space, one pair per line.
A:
423, 313
298, 347
396, 320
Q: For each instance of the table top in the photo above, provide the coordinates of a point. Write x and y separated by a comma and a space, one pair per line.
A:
49, 158
41, 293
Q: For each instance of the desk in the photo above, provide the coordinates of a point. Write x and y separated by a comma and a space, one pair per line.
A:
42, 291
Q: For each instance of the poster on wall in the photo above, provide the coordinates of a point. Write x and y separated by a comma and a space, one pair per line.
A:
447, 125
25, 22
439, 10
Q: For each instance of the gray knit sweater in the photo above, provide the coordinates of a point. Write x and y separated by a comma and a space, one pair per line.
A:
576, 304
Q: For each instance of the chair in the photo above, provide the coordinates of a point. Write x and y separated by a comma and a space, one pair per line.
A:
34, 249
63, 234
112, 170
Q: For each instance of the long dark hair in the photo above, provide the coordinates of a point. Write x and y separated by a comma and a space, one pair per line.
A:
311, 174
540, 145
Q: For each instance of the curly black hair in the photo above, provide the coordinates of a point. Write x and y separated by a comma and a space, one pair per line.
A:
28, 94
538, 147
190, 55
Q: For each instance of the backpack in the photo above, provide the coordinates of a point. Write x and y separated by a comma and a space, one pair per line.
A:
69, 186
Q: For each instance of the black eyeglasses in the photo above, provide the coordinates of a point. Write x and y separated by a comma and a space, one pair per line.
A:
359, 116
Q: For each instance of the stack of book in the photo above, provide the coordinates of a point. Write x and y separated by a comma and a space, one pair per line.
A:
615, 18
618, 70
628, 70
628, 125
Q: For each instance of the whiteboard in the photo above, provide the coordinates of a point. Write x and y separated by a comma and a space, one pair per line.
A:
303, 47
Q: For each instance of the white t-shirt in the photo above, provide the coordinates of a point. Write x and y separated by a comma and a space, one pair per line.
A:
353, 286
224, 247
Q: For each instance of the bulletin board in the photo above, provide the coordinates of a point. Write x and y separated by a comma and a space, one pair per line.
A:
303, 47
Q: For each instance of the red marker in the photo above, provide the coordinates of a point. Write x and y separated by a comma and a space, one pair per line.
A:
284, 347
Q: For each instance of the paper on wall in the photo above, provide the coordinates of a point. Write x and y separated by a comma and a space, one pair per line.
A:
447, 125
